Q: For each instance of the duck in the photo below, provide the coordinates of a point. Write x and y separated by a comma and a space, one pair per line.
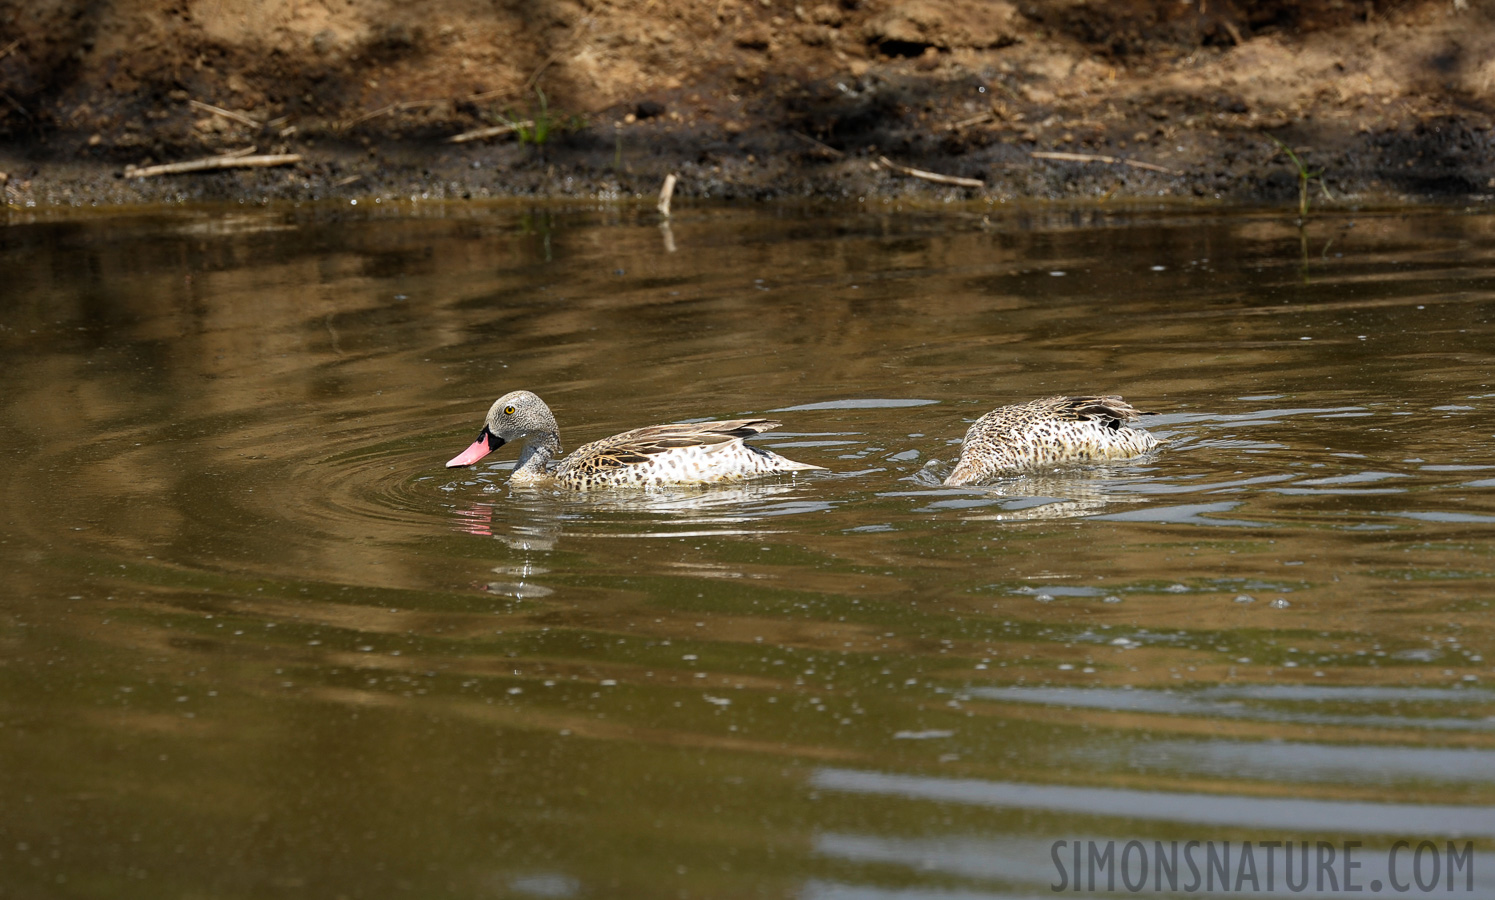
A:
660, 455
1044, 433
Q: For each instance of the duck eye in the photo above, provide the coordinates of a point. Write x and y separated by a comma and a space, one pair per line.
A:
508, 410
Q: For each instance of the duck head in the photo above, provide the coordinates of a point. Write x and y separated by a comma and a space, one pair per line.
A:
516, 416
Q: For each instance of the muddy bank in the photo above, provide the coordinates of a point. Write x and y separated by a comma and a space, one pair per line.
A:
748, 99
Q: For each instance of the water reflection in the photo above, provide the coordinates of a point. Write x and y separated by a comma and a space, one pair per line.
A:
1279, 703
248, 608
1293, 761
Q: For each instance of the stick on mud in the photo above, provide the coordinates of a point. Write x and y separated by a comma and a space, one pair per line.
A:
238, 160
1095, 157
478, 134
935, 177
818, 145
226, 113
665, 193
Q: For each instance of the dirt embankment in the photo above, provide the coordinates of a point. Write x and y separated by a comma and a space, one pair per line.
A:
759, 98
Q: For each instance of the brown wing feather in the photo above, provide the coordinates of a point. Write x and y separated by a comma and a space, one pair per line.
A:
1109, 407
636, 446
695, 433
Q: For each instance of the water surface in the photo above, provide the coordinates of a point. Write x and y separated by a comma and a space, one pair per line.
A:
257, 641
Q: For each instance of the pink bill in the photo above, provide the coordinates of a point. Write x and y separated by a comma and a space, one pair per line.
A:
477, 451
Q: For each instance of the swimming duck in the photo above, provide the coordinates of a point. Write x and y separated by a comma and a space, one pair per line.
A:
701, 453
1046, 433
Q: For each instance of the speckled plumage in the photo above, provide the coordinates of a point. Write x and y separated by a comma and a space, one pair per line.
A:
659, 455
1045, 433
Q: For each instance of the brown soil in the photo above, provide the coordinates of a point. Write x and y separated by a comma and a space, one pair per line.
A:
749, 98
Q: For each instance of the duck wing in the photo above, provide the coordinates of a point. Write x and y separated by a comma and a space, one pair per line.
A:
1110, 409
642, 445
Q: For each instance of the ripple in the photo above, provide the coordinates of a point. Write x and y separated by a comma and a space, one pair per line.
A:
1236, 810
1269, 703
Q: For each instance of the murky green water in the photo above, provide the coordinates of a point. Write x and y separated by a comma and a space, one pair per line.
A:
255, 641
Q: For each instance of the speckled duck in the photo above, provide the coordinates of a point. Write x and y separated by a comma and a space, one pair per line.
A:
700, 453
1047, 433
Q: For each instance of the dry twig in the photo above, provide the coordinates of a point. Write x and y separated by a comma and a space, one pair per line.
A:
665, 193
394, 107
818, 145
935, 177
240, 159
1094, 157
478, 134
226, 113
974, 120
422, 104
488, 95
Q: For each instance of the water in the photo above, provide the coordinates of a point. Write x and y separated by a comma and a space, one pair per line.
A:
257, 641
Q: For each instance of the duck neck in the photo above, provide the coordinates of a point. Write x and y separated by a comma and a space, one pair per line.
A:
535, 458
